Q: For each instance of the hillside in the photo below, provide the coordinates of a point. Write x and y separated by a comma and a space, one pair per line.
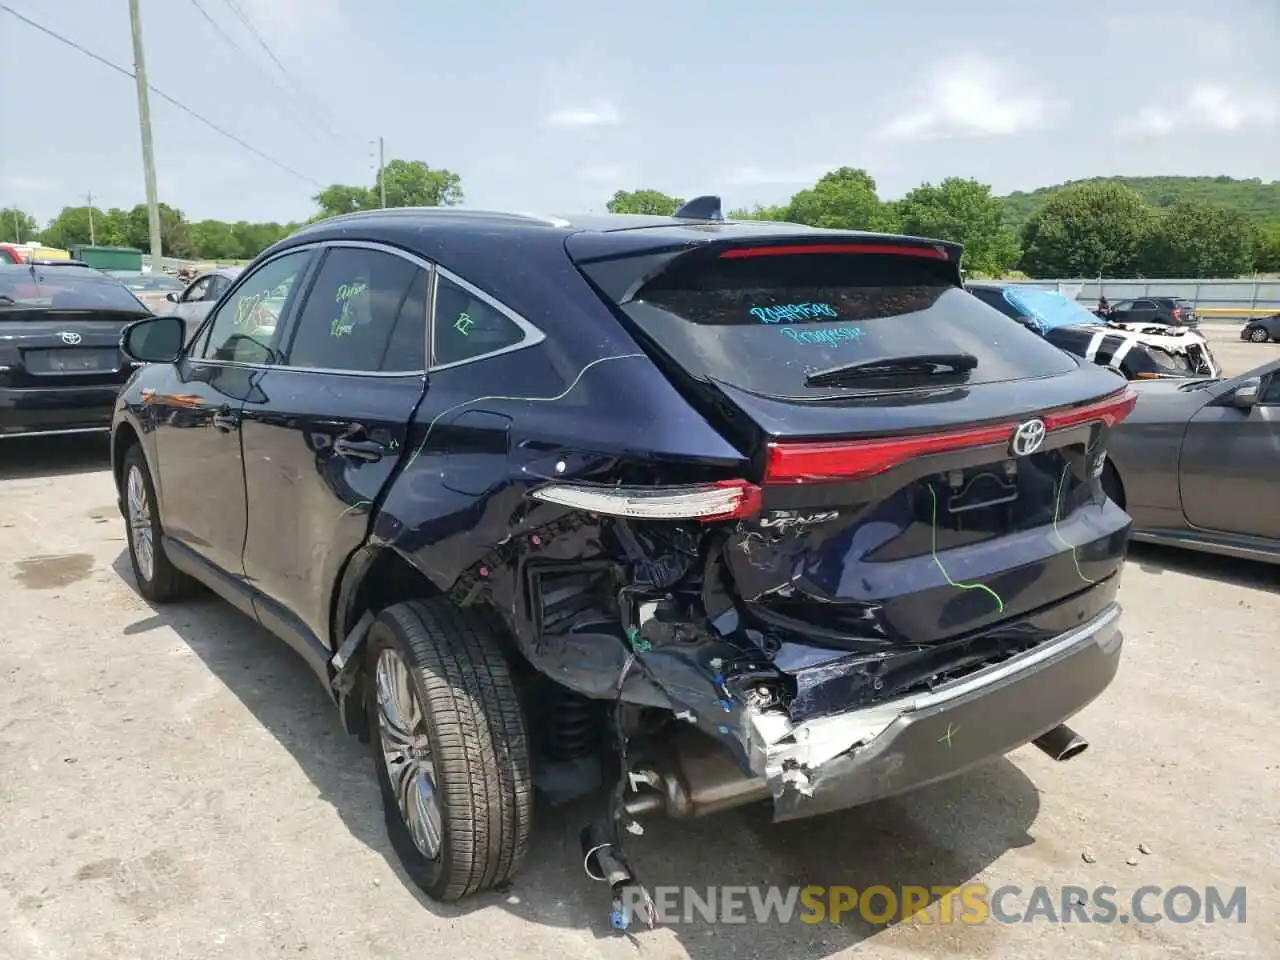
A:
1258, 200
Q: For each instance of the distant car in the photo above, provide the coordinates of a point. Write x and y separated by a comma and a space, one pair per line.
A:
152, 289
9, 253
1262, 329
1144, 353
194, 303
1169, 311
60, 362
1196, 464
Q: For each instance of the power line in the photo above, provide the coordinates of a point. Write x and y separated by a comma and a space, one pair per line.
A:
266, 76
244, 18
160, 93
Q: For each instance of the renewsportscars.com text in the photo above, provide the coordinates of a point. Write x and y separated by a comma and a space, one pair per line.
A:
968, 904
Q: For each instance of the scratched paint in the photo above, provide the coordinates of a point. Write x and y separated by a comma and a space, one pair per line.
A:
794, 312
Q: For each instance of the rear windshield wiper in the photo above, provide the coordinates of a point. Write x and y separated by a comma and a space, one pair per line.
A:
920, 365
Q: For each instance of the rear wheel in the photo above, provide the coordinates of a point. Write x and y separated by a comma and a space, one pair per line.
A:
1258, 335
450, 748
158, 580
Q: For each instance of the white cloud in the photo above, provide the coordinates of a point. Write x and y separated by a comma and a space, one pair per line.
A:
1207, 106
751, 176
22, 184
602, 113
603, 173
968, 97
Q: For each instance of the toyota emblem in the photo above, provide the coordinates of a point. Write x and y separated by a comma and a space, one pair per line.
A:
70, 337
1027, 438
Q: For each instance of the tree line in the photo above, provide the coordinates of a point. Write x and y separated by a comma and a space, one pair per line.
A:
1157, 227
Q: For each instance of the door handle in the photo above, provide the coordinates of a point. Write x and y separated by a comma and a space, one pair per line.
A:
226, 420
368, 450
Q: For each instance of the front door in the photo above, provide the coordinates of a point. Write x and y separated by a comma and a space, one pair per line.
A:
1230, 465
332, 427
197, 416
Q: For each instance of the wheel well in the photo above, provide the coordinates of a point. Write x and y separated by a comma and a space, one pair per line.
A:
389, 579
124, 438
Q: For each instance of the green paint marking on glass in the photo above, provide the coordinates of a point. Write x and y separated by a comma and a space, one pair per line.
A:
463, 324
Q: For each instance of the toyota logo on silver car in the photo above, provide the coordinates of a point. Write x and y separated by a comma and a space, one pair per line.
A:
1028, 438
70, 337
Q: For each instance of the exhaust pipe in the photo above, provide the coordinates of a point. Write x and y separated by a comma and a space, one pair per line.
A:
1062, 743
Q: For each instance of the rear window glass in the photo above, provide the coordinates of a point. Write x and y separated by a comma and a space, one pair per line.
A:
1048, 309
765, 323
60, 288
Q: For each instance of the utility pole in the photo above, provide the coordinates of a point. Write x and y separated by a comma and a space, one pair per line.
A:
93, 241
382, 184
144, 120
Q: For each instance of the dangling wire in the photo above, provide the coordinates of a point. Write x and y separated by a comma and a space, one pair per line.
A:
938, 560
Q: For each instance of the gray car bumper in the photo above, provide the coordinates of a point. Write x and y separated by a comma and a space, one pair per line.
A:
834, 762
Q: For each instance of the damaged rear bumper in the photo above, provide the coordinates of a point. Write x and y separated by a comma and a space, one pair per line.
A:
841, 761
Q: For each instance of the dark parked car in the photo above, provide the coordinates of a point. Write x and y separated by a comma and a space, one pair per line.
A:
1196, 465
1153, 351
670, 510
1170, 311
1262, 329
60, 361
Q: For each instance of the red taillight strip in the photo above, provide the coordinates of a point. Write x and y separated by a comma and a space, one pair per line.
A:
893, 249
799, 462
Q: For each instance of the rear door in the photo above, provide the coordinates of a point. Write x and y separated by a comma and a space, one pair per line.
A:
330, 430
1241, 498
927, 464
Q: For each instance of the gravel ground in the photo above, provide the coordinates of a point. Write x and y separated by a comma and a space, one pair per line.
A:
174, 784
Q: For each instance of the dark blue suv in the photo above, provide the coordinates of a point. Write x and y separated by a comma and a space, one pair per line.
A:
681, 512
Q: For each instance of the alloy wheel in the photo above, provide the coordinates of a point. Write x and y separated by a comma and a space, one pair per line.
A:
140, 535
406, 751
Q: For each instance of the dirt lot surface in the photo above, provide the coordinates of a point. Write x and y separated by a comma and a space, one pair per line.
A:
174, 784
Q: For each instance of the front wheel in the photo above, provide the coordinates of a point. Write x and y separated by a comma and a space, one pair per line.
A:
158, 579
450, 747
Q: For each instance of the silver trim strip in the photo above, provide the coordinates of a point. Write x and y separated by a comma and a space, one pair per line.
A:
532, 335
54, 433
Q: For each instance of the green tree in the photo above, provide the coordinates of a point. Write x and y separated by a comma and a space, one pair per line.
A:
17, 226
411, 183
759, 212
1195, 238
1087, 230
1266, 247
843, 199
962, 211
652, 202
174, 230
339, 198
71, 226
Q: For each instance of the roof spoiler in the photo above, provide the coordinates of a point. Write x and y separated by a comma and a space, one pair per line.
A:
701, 208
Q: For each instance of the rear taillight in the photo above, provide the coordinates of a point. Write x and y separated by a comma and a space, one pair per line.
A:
723, 500
787, 463
804, 462
1177, 314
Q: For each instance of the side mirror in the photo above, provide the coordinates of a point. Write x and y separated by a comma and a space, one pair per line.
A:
154, 340
171, 296
1245, 396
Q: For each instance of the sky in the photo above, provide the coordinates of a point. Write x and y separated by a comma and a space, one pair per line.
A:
552, 105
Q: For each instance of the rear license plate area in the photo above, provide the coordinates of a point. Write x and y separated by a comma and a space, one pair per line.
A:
71, 360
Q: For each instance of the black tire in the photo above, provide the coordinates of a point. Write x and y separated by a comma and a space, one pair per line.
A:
166, 582
475, 732
1259, 335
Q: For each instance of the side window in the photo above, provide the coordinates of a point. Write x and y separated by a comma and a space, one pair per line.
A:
467, 326
1123, 306
197, 290
217, 287
366, 311
244, 324
1144, 305
1271, 390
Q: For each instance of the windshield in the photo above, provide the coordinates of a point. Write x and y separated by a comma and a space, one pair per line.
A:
56, 288
1048, 309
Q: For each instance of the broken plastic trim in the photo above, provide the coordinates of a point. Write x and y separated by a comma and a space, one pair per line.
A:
722, 500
